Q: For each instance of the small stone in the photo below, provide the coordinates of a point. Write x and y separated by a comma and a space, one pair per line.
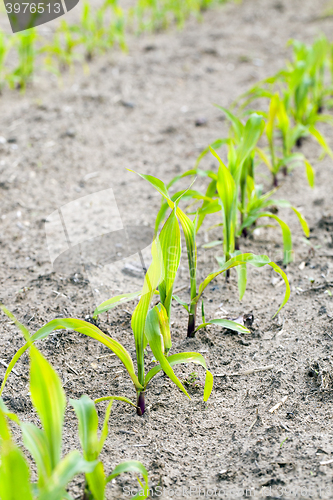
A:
201, 121
127, 104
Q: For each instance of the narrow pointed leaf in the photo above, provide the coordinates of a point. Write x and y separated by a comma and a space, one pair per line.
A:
185, 357
155, 339
85, 328
302, 221
49, 400
66, 470
115, 301
153, 278
137, 468
181, 302
14, 471
286, 237
310, 174
254, 260
226, 323
35, 440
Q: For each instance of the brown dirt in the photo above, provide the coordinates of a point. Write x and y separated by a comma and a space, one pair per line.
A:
64, 133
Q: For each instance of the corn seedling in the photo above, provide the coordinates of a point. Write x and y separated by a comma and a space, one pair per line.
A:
150, 326
189, 230
233, 190
279, 121
115, 31
4, 49
92, 445
22, 74
54, 472
62, 49
303, 89
91, 31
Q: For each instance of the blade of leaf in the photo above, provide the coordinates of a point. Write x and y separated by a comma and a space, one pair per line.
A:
155, 339
185, 357
111, 303
225, 323
48, 398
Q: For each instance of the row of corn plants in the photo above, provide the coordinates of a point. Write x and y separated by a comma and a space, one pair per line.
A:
255, 137
98, 31
151, 325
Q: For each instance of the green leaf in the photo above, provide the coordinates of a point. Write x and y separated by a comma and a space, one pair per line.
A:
171, 251
237, 125
286, 236
227, 190
49, 400
265, 159
212, 244
189, 230
252, 132
310, 173
138, 468
215, 145
181, 302
88, 426
65, 471
185, 357
10, 415
36, 441
116, 398
85, 328
242, 279
302, 221
153, 278
254, 260
111, 303
164, 327
157, 183
97, 482
24, 330
155, 339
321, 140
14, 471
225, 323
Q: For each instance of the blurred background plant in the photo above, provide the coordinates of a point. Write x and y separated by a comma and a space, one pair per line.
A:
98, 30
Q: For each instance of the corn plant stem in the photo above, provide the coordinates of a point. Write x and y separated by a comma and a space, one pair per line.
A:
275, 181
87, 494
141, 404
193, 305
191, 321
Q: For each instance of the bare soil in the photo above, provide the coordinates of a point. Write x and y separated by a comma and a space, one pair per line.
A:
139, 110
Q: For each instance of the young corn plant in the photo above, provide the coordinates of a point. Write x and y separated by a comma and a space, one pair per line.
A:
155, 329
278, 121
189, 230
247, 204
54, 472
150, 326
91, 30
44, 444
5, 44
92, 444
263, 205
61, 53
304, 92
116, 30
23, 73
